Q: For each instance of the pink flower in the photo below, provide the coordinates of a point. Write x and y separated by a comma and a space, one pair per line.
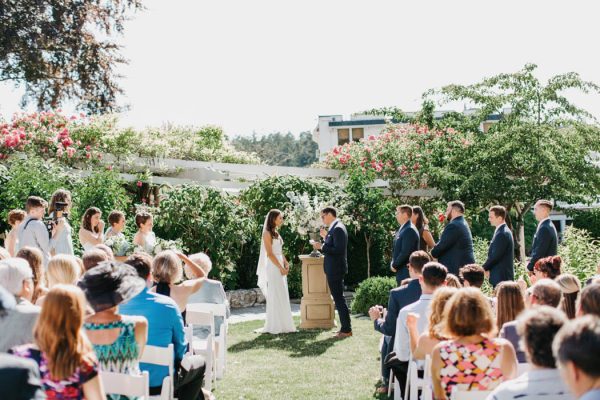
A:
371, 137
441, 217
70, 151
59, 152
144, 200
109, 167
88, 147
139, 184
67, 142
88, 155
73, 117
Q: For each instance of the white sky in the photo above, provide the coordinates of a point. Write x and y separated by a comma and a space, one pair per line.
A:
266, 65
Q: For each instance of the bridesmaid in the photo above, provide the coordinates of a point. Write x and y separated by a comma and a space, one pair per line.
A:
145, 237
91, 232
62, 242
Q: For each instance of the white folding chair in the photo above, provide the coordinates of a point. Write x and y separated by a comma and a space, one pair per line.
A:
522, 368
162, 356
427, 393
204, 347
391, 382
218, 310
125, 384
413, 382
458, 394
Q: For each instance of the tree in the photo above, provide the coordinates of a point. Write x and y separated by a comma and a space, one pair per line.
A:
61, 50
281, 149
541, 147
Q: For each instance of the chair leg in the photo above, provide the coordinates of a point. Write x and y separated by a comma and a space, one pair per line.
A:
391, 380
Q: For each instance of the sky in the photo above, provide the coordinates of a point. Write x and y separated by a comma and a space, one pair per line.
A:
266, 66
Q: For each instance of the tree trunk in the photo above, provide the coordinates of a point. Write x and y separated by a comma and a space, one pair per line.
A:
368, 243
520, 230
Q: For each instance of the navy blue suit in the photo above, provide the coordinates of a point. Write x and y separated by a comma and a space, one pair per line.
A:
455, 248
406, 241
335, 249
545, 243
500, 256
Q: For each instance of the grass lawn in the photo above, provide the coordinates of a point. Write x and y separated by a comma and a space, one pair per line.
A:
305, 365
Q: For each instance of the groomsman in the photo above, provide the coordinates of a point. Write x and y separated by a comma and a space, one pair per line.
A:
455, 248
499, 264
406, 241
545, 241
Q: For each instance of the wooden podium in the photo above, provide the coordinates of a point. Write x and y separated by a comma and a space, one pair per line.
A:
316, 307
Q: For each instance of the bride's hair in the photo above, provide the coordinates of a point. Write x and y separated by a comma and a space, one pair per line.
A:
271, 217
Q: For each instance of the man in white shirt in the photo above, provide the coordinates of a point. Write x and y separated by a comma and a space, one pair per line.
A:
537, 327
433, 276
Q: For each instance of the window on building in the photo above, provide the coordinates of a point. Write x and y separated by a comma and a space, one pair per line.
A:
343, 136
357, 134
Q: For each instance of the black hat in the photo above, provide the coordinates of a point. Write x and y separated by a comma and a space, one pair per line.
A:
109, 284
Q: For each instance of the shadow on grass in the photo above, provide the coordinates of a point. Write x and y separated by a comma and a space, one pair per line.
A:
303, 343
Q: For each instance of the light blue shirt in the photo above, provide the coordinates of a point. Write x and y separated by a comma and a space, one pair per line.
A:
34, 234
591, 395
537, 384
62, 243
402, 339
210, 292
165, 326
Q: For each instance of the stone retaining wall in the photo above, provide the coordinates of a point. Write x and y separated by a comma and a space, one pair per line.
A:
245, 298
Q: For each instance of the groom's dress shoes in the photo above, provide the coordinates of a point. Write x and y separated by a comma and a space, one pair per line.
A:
342, 335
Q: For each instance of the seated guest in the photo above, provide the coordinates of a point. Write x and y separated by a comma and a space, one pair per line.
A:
167, 271
385, 320
17, 315
433, 276
20, 378
544, 292
63, 269
165, 326
91, 232
211, 292
471, 360
472, 275
421, 346
67, 362
453, 281
35, 259
107, 250
15, 217
509, 302
537, 327
576, 348
570, 287
589, 302
93, 257
547, 267
118, 340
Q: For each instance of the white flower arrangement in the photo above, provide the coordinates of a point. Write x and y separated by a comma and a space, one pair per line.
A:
119, 245
304, 212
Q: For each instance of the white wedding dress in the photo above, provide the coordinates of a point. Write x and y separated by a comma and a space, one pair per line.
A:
279, 312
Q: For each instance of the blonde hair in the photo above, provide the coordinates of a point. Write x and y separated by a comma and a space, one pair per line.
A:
438, 302
570, 287
63, 268
59, 334
453, 281
472, 303
166, 267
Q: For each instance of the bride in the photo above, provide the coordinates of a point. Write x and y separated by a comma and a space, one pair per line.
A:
272, 281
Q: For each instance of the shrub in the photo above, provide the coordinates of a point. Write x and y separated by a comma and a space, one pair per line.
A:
580, 253
588, 220
372, 291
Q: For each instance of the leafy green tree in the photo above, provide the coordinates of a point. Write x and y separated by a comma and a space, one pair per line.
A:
280, 149
62, 50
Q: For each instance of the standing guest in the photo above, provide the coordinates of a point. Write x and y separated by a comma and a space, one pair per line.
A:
421, 346
34, 258
32, 232
547, 267
145, 237
165, 326
17, 314
63, 269
499, 264
537, 328
455, 247
453, 281
545, 241
118, 340
60, 205
471, 360
433, 277
576, 348
68, 365
93, 257
385, 319
472, 275
15, 218
589, 302
406, 241
167, 272
91, 232
335, 249
509, 304
426, 242
570, 288
543, 292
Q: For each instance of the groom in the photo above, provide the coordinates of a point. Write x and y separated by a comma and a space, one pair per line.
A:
334, 247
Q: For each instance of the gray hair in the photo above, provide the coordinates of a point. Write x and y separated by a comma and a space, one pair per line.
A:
203, 260
13, 272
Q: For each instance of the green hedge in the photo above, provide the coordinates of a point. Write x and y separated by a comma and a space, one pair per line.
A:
371, 291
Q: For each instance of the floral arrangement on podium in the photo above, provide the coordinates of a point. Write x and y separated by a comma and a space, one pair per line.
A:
304, 213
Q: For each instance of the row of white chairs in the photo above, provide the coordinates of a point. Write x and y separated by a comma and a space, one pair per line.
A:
213, 348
